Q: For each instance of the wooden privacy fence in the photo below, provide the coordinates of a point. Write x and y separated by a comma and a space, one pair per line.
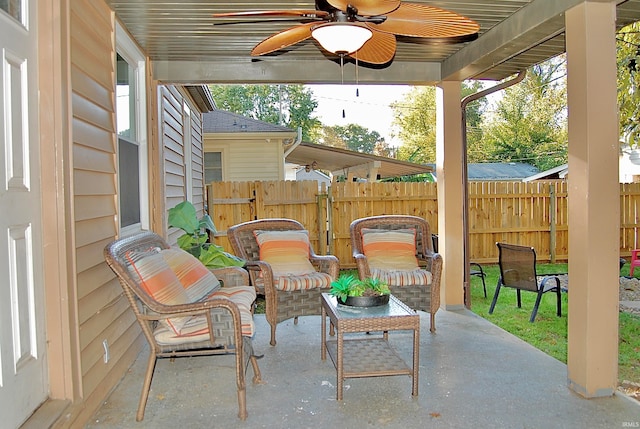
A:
533, 214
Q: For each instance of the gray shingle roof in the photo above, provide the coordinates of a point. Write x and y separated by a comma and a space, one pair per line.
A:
222, 121
500, 171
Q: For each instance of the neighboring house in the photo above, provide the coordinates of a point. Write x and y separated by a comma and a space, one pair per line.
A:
629, 165
238, 148
629, 168
498, 171
311, 174
559, 172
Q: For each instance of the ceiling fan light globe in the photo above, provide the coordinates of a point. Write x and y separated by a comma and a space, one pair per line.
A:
341, 37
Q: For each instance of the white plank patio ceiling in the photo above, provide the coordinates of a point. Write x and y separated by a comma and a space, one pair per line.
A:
186, 47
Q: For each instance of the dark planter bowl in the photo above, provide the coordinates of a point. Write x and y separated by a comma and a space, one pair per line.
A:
365, 301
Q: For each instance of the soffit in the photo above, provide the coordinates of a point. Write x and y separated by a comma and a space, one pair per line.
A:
342, 162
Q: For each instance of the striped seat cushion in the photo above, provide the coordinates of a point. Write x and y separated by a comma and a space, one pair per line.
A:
160, 282
196, 329
290, 283
287, 252
391, 250
197, 280
403, 278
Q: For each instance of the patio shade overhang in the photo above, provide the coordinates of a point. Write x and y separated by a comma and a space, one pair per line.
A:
342, 162
188, 46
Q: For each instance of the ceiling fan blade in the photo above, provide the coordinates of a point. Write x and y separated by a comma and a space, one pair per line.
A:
367, 7
417, 20
285, 38
380, 49
302, 13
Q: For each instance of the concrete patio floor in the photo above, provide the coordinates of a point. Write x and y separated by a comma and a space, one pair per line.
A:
472, 374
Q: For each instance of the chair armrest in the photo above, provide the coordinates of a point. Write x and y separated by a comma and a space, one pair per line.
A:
232, 276
362, 265
326, 264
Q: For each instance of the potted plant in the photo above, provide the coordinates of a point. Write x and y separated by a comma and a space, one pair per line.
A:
195, 237
369, 292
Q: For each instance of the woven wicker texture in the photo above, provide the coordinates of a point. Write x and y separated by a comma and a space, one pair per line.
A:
280, 305
223, 317
419, 297
369, 356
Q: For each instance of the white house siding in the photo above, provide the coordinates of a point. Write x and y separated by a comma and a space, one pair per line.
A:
249, 159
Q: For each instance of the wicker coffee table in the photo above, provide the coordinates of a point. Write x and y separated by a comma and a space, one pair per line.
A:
368, 355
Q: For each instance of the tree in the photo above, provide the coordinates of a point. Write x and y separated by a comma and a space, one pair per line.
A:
415, 117
291, 106
628, 59
529, 123
356, 138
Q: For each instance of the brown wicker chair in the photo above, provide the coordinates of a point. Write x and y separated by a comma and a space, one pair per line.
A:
280, 304
223, 317
425, 297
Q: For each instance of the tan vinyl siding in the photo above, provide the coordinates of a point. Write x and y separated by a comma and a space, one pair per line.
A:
172, 142
174, 152
197, 160
102, 312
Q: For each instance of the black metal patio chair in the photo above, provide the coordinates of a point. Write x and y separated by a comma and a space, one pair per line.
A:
518, 271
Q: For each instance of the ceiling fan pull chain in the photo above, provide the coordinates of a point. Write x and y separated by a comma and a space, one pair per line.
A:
342, 77
357, 79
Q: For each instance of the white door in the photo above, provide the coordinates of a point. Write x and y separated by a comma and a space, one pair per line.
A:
23, 367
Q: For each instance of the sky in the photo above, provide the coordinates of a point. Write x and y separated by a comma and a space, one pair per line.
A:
370, 109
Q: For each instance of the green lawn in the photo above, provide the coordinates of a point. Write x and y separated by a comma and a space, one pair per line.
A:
549, 332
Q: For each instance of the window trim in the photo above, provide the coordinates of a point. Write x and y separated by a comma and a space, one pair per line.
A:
128, 50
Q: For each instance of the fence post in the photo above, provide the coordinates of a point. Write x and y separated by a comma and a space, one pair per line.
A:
322, 219
552, 222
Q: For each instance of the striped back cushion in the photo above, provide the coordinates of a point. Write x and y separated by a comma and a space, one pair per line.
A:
286, 251
160, 282
391, 250
198, 282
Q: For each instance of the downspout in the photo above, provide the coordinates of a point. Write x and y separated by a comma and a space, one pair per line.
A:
295, 144
465, 177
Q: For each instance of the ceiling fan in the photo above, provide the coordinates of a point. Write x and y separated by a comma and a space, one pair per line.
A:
365, 30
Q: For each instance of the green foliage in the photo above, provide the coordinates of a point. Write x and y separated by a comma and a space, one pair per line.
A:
291, 106
529, 123
195, 237
628, 61
349, 285
353, 137
415, 118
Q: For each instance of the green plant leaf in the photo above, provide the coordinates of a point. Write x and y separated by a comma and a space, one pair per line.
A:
214, 256
184, 216
206, 223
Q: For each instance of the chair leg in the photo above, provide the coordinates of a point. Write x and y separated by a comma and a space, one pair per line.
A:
484, 285
146, 385
433, 322
495, 296
257, 375
519, 298
535, 307
273, 335
559, 297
